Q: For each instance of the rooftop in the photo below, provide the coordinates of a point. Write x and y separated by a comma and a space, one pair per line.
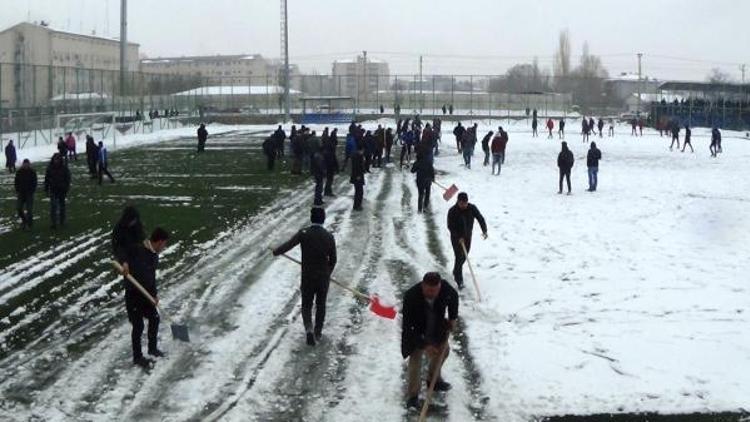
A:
48, 28
187, 59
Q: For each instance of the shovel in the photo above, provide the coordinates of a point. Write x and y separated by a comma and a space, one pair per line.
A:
376, 307
471, 270
433, 381
448, 192
179, 331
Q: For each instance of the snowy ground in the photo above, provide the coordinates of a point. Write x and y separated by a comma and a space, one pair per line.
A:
628, 299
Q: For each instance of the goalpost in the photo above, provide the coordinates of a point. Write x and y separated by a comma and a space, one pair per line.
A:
98, 124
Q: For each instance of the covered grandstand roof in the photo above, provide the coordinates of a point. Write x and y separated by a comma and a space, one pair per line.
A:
705, 87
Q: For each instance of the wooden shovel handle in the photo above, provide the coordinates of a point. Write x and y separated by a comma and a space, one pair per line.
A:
433, 381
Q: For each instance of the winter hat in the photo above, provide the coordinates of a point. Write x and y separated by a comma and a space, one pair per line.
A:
317, 215
463, 197
593, 144
431, 279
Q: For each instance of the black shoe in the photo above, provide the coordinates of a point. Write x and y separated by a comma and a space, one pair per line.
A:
310, 339
156, 353
460, 284
413, 403
441, 385
143, 362
318, 335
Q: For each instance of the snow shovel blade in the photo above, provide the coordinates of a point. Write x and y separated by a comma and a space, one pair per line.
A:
381, 310
448, 194
180, 332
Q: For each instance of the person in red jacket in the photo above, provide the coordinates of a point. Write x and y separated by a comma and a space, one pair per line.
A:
550, 126
498, 149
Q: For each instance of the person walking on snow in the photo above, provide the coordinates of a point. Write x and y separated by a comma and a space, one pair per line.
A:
103, 163
458, 132
675, 129
10, 157
600, 126
687, 142
425, 176
486, 148
70, 143
561, 129
550, 126
715, 142
498, 149
565, 162
611, 127
270, 150
202, 137
592, 163
57, 185
357, 177
26, 183
318, 261
534, 125
425, 330
461, 224
467, 145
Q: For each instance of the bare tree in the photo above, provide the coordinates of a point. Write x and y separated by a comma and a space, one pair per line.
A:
718, 76
561, 61
587, 80
522, 78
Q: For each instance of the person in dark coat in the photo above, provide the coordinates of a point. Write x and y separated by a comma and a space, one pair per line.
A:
278, 140
370, 149
486, 147
388, 144
62, 148
25, 183
565, 162
458, 132
358, 177
461, 224
687, 142
318, 170
561, 129
92, 155
10, 157
450, 109
600, 126
715, 146
425, 329
57, 185
592, 163
202, 137
270, 149
425, 176
331, 163
675, 129
318, 261
534, 125
103, 163
142, 260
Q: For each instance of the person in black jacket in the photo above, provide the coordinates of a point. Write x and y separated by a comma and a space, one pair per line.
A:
425, 330
57, 185
687, 142
270, 150
486, 147
92, 155
143, 258
458, 132
358, 177
278, 141
592, 162
461, 224
318, 170
202, 137
318, 260
26, 184
425, 175
330, 161
565, 162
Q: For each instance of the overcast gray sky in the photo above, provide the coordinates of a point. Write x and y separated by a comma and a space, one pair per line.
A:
680, 39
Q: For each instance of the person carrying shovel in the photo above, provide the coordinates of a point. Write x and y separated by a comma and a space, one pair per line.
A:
425, 332
318, 260
460, 224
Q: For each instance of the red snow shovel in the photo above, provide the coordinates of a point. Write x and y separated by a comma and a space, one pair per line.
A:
376, 307
179, 331
448, 192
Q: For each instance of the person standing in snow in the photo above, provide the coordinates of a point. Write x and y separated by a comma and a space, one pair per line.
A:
406, 143
468, 140
585, 129
425, 330
561, 130
534, 125
25, 183
687, 142
715, 146
10, 157
331, 163
318, 170
70, 143
202, 137
600, 126
461, 224
592, 163
611, 127
633, 125
357, 177
458, 132
318, 261
388, 144
550, 126
675, 129
92, 155
270, 150
565, 162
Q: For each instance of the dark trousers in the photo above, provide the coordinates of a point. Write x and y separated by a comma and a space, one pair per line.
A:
359, 192
328, 189
318, 199
460, 257
564, 174
25, 208
91, 161
271, 161
368, 162
102, 171
316, 290
388, 153
593, 178
57, 208
201, 145
405, 152
486, 157
138, 308
423, 197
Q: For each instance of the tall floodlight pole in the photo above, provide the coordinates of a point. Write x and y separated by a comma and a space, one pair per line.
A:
123, 44
285, 52
639, 83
